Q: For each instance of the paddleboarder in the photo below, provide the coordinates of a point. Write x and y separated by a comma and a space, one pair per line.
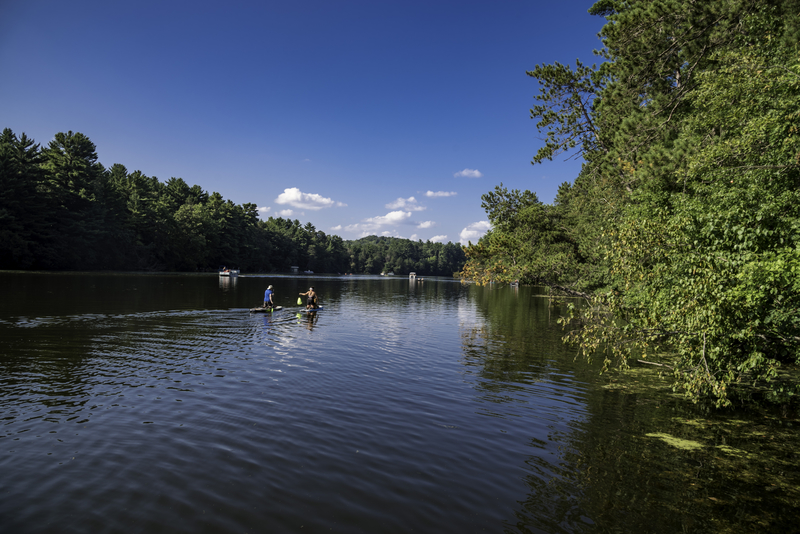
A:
311, 299
268, 303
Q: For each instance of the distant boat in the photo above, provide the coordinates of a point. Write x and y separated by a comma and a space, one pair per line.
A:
229, 272
308, 272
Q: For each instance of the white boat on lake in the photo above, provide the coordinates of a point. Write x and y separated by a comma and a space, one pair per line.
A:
229, 272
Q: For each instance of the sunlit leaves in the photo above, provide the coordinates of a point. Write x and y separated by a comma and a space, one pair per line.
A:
686, 216
705, 255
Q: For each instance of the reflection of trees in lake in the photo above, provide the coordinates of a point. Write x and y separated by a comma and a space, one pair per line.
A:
518, 340
614, 477
589, 464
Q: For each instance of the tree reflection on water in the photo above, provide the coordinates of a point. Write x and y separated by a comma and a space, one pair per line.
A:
605, 465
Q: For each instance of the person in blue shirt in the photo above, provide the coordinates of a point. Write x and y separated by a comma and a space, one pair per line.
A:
268, 302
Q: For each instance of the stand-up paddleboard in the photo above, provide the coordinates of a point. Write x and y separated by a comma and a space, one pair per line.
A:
262, 309
312, 310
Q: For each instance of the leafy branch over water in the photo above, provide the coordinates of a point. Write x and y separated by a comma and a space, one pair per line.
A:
682, 231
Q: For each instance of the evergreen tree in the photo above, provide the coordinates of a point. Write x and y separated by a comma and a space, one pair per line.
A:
24, 232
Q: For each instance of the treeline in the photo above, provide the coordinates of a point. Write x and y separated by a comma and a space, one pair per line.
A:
61, 209
375, 254
683, 229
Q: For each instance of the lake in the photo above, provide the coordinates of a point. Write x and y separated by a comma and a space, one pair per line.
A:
159, 403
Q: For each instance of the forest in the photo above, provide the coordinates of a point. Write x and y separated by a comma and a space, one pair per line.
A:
60, 209
680, 237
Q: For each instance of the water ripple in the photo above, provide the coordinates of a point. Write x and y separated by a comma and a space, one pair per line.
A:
414, 412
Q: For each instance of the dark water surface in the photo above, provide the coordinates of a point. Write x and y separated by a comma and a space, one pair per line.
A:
158, 403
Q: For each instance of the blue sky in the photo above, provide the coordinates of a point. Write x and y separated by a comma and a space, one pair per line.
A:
382, 117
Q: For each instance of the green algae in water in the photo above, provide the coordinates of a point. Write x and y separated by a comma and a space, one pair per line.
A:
685, 444
692, 422
733, 451
706, 423
739, 473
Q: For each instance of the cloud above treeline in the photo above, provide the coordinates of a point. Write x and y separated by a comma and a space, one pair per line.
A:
474, 231
440, 193
438, 239
468, 173
426, 224
306, 201
393, 217
373, 224
408, 204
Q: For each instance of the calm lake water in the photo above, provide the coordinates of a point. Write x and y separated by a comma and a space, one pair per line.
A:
158, 403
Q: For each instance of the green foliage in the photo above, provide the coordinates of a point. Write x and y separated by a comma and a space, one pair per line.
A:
567, 99
535, 243
60, 209
685, 218
707, 252
375, 255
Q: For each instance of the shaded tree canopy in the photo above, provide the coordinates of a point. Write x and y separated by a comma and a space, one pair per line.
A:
61, 209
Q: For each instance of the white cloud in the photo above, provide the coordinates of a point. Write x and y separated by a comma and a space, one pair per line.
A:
264, 211
426, 224
308, 201
373, 224
468, 173
441, 193
286, 213
408, 204
438, 239
413, 237
393, 217
474, 231
337, 227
